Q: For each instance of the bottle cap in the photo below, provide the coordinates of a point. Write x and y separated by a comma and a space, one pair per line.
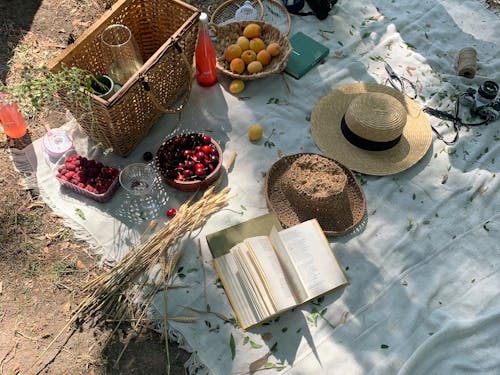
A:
203, 17
57, 142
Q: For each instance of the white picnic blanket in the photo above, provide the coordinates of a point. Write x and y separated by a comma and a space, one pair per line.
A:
424, 276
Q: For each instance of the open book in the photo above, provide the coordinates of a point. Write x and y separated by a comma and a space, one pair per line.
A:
263, 276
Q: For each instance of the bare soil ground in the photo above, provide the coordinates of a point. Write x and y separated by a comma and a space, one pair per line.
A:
42, 266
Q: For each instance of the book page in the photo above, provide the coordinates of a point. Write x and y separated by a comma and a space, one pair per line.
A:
239, 298
289, 269
253, 280
266, 260
313, 258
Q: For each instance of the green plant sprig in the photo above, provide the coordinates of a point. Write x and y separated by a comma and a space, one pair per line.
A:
42, 88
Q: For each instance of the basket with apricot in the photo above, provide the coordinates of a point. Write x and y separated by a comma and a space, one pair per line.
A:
250, 50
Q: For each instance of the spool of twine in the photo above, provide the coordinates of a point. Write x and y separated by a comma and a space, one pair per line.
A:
466, 64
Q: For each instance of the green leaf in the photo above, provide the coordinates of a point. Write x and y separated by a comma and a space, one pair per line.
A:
340, 43
246, 340
254, 345
410, 225
384, 346
425, 222
365, 35
232, 346
80, 213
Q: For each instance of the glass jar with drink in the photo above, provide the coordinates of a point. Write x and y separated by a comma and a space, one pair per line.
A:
12, 120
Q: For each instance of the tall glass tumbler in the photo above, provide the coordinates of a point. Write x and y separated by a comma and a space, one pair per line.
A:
118, 39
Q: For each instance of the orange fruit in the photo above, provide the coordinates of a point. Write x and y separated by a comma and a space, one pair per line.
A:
274, 49
236, 86
255, 132
252, 30
255, 67
237, 66
232, 51
243, 42
257, 45
248, 56
264, 57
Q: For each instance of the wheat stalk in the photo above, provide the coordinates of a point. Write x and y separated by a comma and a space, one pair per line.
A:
110, 293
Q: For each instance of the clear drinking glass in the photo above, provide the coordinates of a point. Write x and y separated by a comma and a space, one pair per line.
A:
127, 60
138, 180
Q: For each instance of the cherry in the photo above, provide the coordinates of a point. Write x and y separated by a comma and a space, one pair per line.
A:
206, 139
147, 156
171, 212
200, 155
207, 149
201, 173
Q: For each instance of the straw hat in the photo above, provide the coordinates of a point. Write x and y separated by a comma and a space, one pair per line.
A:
371, 128
305, 186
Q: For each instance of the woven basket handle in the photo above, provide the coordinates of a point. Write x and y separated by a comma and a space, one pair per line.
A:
147, 86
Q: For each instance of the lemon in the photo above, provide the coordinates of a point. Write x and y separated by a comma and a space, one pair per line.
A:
255, 132
236, 86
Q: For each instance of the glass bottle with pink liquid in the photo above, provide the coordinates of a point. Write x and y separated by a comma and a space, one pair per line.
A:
12, 120
205, 55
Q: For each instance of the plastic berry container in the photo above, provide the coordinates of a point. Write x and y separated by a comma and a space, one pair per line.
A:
181, 153
100, 183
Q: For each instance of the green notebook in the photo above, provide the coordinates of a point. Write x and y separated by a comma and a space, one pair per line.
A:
306, 53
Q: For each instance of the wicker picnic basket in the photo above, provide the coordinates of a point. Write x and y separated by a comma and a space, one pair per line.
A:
229, 33
166, 33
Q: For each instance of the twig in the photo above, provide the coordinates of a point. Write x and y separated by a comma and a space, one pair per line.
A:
6, 355
35, 339
165, 332
203, 273
218, 315
57, 353
286, 84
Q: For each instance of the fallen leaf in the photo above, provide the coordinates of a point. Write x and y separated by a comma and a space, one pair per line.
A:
258, 363
410, 70
267, 336
232, 346
343, 318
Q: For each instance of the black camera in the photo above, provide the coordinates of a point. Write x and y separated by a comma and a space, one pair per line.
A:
319, 8
483, 102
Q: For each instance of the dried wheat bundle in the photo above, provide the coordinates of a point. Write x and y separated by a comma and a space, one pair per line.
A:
112, 294
107, 293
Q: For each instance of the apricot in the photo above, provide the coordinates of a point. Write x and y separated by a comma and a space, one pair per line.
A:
252, 30
264, 57
257, 44
243, 42
255, 67
236, 86
232, 51
248, 56
237, 66
255, 132
274, 49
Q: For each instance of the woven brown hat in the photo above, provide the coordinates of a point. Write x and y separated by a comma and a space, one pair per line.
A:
371, 128
300, 187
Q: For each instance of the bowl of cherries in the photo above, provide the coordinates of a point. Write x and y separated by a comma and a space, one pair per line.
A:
189, 161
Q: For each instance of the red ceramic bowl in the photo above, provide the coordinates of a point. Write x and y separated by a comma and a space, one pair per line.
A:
180, 163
